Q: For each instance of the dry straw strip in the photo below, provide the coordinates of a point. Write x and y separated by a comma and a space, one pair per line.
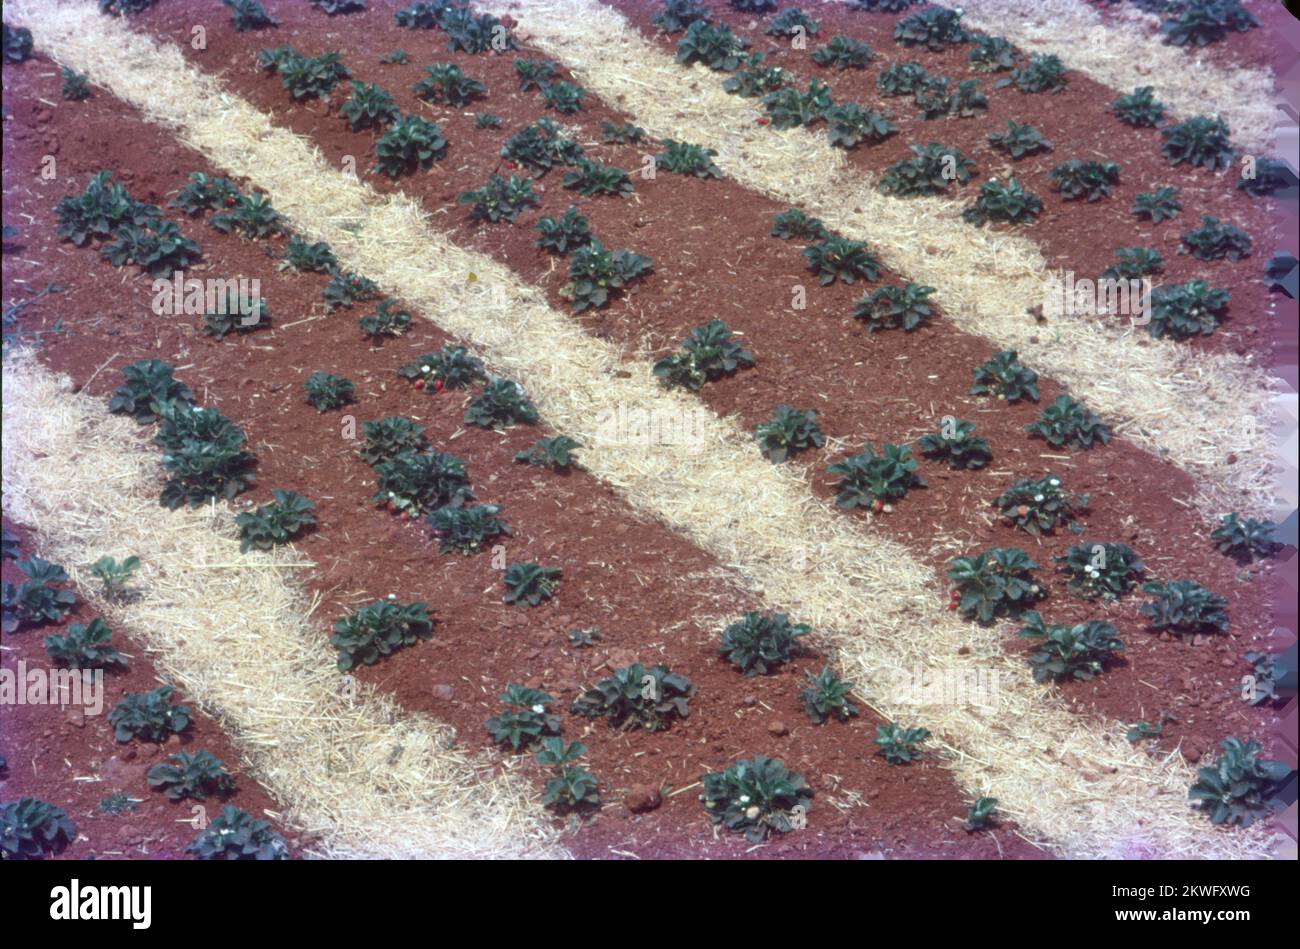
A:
1070, 781
1197, 409
233, 631
1128, 53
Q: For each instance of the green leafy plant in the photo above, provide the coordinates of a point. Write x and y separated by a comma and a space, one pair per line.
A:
423, 15
796, 224
203, 455
369, 107
526, 720
848, 125
1003, 376
929, 171
1067, 423
843, 52
235, 834
1107, 571
871, 480
1019, 140
113, 575
756, 795
636, 697
396, 57
677, 15
997, 582
1245, 539
563, 97
682, 158
595, 272
251, 216
502, 402
900, 745
248, 15
1239, 788
935, 28
1076, 179
561, 235
1043, 73
582, 638
755, 80
789, 108
1200, 142
1271, 671
708, 353
288, 515
99, 211
335, 7
1009, 203
838, 258
414, 483
32, 829
991, 53
36, 601
390, 437
306, 257
792, 22
1040, 506
1142, 731
86, 646
935, 101
475, 34
1134, 263
1184, 606
18, 44
569, 788
345, 289
378, 630
528, 584
540, 146
591, 178
1201, 22
76, 87
451, 367
149, 716
197, 776
621, 133
206, 193
447, 82
789, 431
1140, 108
956, 443
759, 642
487, 120
386, 321
1078, 652
902, 79
157, 247
981, 814
1183, 310
1159, 205
149, 385
326, 391
236, 313
1214, 240
411, 143
753, 6
466, 529
306, 77
1270, 175
554, 453
906, 307
827, 696
713, 45
534, 73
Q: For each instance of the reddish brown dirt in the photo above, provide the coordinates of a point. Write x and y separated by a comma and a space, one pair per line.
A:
68, 756
1074, 235
480, 645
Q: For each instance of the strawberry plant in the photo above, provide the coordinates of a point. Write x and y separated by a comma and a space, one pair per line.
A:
390, 437
411, 143
1201, 22
755, 80
827, 696
1134, 263
75, 87
17, 44
451, 367
540, 146
32, 829
709, 353
385, 321
1159, 205
789, 431
849, 125
1184, 606
487, 120
1182, 311
369, 107
682, 158
935, 28
677, 15
990, 53
900, 745
792, 22
526, 720
871, 480
148, 386
981, 814
595, 272
1043, 73
447, 82
1140, 108
235, 834
591, 178
466, 528
237, 314
86, 646
423, 15
378, 630
306, 257
636, 697
529, 584
99, 211
838, 258
561, 235
157, 247
203, 454
306, 77
902, 79
247, 15
396, 57
790, 108
288, 515
1076, 179
501, 402
715, 46
1009, 203
335, 7
753, 6
1214, 240
326, 391
1270, 175
1067, 423
554, 453
843, 52
1200, 142
929, 171
251, 216
1100, 570
1246, 539
475, 34
956, 443
534, 73
413, 483
756, 795
1039, 507
563, 97
1239, 788
759, 642
1271, 672
905, 307
1019, 140
206, 193
582, 638
196, 776
794, 223
346, 288
621, 133
997, 582
569, 788
113, 575
1077, 652
148, 716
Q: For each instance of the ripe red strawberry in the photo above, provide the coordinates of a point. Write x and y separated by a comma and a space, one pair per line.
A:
877, 505
419, 383
230, 201
437, 384
763, 120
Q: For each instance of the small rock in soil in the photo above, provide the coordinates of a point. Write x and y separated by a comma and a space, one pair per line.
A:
642, 799
777, 727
